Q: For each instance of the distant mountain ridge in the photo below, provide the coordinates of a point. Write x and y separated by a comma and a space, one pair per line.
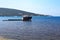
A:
15, 12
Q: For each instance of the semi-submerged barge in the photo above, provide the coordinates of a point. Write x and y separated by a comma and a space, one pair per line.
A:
24, 18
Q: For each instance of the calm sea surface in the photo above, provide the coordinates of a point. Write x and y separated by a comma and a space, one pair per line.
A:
40, 28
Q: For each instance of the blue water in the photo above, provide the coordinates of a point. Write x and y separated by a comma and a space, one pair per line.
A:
40, 28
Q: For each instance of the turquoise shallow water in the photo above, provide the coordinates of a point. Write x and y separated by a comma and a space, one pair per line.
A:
40, 28
9, 17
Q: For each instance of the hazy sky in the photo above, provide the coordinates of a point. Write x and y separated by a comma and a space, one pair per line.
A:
49, 7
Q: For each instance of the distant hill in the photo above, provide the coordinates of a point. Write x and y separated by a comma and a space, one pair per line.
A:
15, 12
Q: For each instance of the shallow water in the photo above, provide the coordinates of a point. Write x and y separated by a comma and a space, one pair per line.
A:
40, 28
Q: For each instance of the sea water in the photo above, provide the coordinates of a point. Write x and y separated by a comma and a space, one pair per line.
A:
39, 28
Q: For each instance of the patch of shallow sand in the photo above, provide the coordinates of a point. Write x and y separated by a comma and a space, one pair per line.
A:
2, 38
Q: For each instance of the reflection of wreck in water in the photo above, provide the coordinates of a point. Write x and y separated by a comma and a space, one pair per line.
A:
27, 18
